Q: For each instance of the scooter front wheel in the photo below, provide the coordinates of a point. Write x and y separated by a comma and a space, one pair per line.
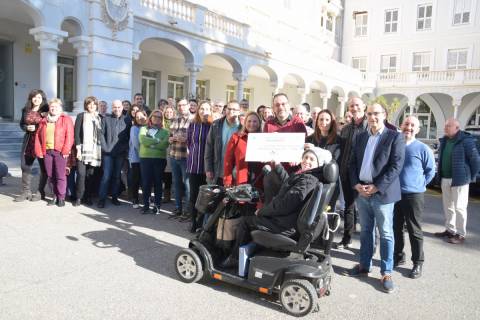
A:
298, 297
188, 266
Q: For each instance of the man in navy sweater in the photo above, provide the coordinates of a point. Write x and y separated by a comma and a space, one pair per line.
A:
418, 170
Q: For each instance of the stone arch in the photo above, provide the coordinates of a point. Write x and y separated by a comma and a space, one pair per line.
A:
299, 79
29, 7
75, 26
271, 73
353, 94
468, 110
186, 52
339, 90
320, 85
236, 66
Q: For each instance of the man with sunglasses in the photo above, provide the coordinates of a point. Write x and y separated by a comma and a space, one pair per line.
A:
377, 160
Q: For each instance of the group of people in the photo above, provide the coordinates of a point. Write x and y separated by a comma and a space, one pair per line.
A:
383, 171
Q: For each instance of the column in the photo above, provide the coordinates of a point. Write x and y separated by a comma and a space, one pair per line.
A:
240, 78
49, 39
193, 70
81, 44
325, 96
456, 104
341, 106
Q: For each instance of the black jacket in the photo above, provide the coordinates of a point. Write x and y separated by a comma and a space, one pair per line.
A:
283, 210
115, 135
334, 148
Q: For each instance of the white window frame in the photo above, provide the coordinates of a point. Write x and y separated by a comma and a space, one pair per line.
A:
360, 63
175, 84
390, 23
61, 80
230, 93
247, 94
202, 89
361, 30
425, 63
457, 53
424, 19
476, 120
389, 68
146, 93
462, 9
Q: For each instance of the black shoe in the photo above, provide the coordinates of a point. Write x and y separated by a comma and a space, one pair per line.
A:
116, 202
61, 203
356, 271
156, 210
52, 202
399, 260
176, 213
230, 262
87, 201
101, 204
416, 271
76, 203
145, 210
342, 245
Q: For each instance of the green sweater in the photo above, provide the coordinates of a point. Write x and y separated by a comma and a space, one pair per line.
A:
153, 146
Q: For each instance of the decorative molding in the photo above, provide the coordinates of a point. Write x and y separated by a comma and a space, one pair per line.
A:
81, 44
49, 38
193, 68
240, 77
115, 15
136, 54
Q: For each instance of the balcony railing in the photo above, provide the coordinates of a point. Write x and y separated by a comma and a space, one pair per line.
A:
224, 24
175, 8
428, 78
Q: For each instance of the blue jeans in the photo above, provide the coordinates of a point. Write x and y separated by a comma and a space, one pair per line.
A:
112, 168
180, 179
372, 212
152, 170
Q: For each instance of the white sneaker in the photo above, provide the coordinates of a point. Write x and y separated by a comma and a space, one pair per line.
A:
135, 206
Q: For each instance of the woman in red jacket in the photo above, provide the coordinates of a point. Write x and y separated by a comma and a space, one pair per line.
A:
236, 170
53, 143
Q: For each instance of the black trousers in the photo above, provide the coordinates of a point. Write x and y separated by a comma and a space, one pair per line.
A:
85, 183
254, 222
167, 180
26, 164
195, 180
135, 180
409, 211
349, 213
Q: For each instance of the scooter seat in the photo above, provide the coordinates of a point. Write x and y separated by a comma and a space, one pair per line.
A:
275, 241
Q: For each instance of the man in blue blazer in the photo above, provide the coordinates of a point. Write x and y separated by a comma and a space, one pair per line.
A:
377, 160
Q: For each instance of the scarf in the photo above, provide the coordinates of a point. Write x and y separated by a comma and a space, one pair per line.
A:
91, 148
52, 119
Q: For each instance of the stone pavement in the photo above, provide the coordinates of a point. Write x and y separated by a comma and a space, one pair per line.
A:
84, 263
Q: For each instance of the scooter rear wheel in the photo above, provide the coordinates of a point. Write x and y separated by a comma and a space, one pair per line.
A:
188, 266
298, 297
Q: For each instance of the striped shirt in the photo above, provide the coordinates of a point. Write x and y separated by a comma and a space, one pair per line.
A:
196, 141
178, 128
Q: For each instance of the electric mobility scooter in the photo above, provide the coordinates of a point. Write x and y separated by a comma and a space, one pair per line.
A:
287, 266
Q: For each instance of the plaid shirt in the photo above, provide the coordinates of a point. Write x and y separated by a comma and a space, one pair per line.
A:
179, 127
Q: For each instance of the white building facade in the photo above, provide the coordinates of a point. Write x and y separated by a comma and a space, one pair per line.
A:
213, 49
426, 53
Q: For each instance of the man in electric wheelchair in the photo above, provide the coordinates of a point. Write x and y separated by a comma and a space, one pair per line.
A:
280, 215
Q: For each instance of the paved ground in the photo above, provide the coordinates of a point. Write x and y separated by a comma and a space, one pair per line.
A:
81, 263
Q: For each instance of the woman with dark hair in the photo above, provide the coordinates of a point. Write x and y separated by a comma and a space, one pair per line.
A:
325, 134
53, 142
139, 120
153, 159
236, 151
132, 110
196, 141
33, 112
89, 150
127, 105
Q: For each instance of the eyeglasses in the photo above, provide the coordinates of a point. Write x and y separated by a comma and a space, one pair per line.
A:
182, 104
376, 114
157, 117
233, 110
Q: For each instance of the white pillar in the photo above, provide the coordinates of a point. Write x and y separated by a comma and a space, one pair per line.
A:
81, 44
303, 92
325, 97
456, 104
193, 70
341, 106
241, 78
49, 39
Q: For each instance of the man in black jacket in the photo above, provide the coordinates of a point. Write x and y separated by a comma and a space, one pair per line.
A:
281, 214
115, 136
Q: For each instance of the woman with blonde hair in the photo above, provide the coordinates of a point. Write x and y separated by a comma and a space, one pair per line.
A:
236, 151
153, 159
196, 141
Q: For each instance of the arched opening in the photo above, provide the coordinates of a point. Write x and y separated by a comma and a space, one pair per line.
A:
317, 90
19, 56
293, 86
217, 76
428, 122
160, 72
261, 83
